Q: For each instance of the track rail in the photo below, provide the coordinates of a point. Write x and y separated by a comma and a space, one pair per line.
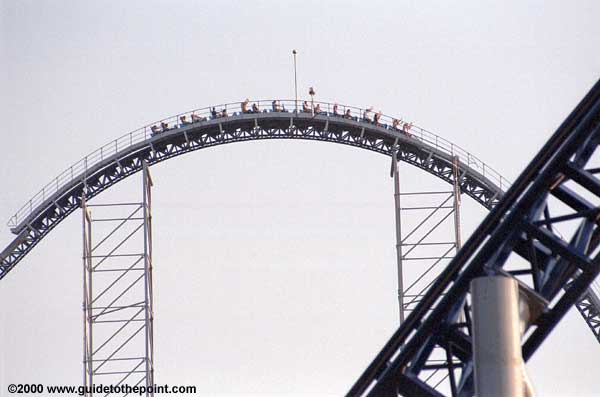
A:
114, 162
129, 141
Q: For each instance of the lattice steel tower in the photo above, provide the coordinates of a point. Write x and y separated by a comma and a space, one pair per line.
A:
117, 296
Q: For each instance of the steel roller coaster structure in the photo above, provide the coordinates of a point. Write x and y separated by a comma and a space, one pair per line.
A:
560, 271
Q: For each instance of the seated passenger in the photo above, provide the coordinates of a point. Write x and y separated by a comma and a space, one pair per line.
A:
366, 114
244, 106
318, 108
183, 120
275, 106
164, 126
348, 114
255, 108
224, 113
195, 118
283, 107
376, 118
406, 128
335, 110
155, 129
305, 107
395, 124
213, 113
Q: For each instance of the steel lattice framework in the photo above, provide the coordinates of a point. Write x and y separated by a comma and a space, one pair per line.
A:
559, 186
118, 294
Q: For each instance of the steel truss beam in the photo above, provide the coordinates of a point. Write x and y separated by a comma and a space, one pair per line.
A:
557, 271
423, 243
431, 225
239, 129
117, 292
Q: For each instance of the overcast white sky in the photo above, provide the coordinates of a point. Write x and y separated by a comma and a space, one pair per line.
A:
274, 261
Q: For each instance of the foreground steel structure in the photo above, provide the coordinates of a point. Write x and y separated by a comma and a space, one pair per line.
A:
551, 266
560, 185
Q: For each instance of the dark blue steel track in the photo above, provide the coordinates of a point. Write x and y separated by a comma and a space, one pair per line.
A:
559, 271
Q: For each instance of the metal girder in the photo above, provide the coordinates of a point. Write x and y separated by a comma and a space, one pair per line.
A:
238, 129
561, 268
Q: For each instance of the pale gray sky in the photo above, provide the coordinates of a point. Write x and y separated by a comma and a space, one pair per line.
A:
274, 261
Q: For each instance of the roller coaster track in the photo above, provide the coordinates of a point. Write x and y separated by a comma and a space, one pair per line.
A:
558, 270
124, 156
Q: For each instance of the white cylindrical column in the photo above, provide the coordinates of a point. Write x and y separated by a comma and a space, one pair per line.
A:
499, 368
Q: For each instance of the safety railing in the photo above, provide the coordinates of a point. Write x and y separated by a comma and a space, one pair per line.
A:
145, 133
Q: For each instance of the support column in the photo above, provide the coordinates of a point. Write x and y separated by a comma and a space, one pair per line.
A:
117, 293
87, 295
149, 312
457, 229
456, 191
396, 176
499, 367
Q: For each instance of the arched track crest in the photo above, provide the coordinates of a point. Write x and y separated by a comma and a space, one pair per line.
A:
33, 222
